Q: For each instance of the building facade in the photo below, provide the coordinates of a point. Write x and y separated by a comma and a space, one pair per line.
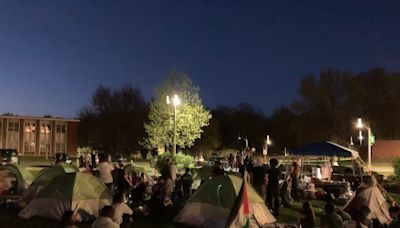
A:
37, 136
386, 150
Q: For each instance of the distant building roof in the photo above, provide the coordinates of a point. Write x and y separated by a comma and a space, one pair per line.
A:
40, 118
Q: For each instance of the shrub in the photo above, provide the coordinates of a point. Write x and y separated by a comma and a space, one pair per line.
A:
396, 166
181, 160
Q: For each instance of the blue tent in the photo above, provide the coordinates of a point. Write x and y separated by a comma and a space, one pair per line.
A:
325, 149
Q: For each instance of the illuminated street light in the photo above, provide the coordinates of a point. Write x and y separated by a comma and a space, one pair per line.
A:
360, 126
267, 142
175, 102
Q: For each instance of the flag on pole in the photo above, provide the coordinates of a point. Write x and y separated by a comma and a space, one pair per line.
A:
246, 209
240, 213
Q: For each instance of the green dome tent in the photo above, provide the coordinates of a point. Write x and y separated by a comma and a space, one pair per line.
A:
80, 192
22, 177
203, 173
211, 205
45, 176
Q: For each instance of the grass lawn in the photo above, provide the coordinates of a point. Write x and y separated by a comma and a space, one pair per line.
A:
292, 215
9, 218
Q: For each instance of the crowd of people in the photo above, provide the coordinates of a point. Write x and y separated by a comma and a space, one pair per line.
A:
171, 190
133, 192
281, 190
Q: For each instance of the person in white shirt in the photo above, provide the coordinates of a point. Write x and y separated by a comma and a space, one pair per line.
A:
105, 169
105, 219
121, 208
326, 171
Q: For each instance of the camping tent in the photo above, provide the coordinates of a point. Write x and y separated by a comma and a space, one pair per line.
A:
45, 176
203, 173
373, 199
80, 192
210, 206
325, 149
21, 177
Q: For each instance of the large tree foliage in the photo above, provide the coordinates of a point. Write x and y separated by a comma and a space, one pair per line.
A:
113, 121
191, 116
242, 121
330, 103
210, 140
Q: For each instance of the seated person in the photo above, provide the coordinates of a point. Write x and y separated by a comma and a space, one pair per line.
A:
121, 208
330, 219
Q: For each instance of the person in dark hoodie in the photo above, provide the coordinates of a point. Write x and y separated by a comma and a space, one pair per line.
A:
274, 174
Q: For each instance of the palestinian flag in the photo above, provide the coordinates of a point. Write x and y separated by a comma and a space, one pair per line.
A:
219, 203
245, 200
241, 214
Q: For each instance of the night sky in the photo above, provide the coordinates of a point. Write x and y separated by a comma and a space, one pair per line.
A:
53, 54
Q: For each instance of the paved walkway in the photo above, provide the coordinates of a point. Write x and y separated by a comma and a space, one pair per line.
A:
384, 168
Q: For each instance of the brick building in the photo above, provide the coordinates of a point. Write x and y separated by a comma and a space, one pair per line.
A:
386, 150
37, 136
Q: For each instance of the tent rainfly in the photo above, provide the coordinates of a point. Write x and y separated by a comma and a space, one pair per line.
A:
211, 205
44, 177
372, 198
80, 192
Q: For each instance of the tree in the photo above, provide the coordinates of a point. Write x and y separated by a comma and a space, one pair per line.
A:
242, 120
321, 108
113, 121
210, 140
191, 116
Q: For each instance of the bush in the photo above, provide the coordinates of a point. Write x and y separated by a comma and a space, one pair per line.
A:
396, 166
181, 160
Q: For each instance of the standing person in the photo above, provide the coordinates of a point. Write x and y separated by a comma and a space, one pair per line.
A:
105, 169
295, 180
308, 216
123, 181
274, 175
231, 158
217, 170
87, 161
93, 160
121, 208
326, 171
81, 161
238, 160
187, 183
105, 220
259, 179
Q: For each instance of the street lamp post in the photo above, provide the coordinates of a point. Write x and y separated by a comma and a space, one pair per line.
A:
360, 125
247, 145
175, 102
267, 142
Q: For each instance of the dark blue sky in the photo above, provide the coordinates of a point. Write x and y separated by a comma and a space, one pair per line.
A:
53, 54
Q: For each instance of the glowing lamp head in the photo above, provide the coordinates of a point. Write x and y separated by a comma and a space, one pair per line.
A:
268, 140
359, 123
360, 136
176, 101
